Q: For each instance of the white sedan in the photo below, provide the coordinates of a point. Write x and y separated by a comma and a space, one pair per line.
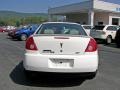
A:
61, 47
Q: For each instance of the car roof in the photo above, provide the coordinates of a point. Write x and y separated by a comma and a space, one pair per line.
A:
61, 23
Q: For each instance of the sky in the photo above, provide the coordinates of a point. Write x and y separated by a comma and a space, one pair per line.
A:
37, 6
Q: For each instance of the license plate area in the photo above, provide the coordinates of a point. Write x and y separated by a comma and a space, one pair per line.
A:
61, 63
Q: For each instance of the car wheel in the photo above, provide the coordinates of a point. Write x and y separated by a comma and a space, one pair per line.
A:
108, 40
23, 37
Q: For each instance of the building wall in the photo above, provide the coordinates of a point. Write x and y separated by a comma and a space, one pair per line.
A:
101, 17
78, 12
106, 6
77, 7
79, 18
83, 18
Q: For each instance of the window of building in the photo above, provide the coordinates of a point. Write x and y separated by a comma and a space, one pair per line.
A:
115, 21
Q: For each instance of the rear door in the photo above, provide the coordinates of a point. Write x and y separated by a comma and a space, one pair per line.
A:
111, 30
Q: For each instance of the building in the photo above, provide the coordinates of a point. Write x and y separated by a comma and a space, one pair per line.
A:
92, 12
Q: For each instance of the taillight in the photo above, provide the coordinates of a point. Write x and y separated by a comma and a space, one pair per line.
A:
92, 46
30, 44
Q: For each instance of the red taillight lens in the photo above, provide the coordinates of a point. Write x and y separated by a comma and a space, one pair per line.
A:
30, 44
92, 46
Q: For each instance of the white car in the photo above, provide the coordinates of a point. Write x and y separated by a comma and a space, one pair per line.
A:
87, 28
104, 32
61, 47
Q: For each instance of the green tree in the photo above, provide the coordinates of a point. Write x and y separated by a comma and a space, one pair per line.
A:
17, 23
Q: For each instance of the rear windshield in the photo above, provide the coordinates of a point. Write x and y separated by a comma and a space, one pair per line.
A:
61, 29
98, 27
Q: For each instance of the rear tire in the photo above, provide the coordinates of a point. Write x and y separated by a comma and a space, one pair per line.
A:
108, 40
23, 37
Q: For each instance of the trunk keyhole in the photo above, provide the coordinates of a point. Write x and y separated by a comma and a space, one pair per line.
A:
61, 50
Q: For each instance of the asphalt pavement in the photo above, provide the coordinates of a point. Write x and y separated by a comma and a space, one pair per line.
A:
12, 76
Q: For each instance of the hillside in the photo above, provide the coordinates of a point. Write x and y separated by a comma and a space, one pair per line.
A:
10, 14
17, 18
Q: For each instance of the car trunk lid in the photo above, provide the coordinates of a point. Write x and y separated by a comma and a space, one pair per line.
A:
58, 45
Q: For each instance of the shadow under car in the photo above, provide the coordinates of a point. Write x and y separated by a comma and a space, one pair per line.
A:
44, 79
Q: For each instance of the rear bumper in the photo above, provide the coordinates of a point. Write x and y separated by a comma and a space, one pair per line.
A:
42, 63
